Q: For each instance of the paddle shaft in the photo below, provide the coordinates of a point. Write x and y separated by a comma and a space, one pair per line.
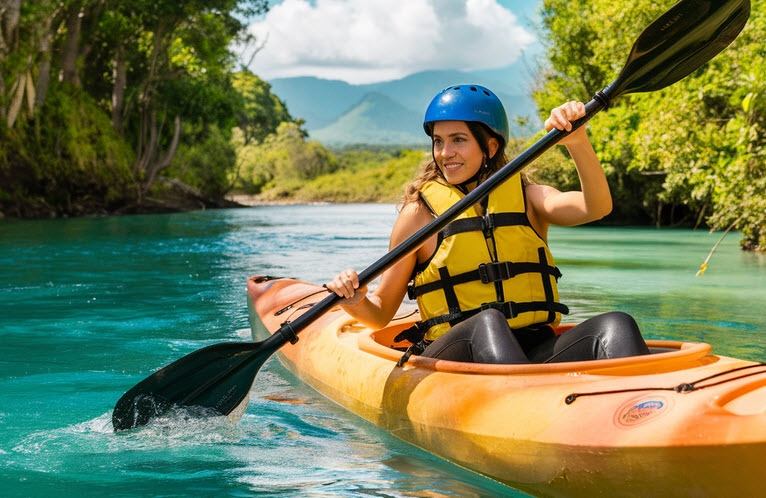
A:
289, 330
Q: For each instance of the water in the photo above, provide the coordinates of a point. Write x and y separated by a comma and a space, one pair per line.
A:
89, 307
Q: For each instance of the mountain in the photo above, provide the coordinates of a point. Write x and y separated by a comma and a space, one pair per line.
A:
375, 119
338, 113
317, 101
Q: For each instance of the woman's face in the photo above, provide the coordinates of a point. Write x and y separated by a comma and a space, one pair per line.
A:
456, 151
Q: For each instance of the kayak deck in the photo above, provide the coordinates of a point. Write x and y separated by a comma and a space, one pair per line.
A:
679, 419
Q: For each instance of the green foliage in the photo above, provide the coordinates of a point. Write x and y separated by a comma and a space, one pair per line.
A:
261, 111
206, 165
365, 178
284, 160
695, 148
157, 67
68, 161
287, 167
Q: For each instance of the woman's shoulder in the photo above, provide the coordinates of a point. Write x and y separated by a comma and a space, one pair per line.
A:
537, 193
413, 216
416, 210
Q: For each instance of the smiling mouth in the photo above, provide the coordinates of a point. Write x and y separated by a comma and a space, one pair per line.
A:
452, 166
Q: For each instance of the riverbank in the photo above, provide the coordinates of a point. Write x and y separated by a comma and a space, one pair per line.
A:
172, 197
245, 200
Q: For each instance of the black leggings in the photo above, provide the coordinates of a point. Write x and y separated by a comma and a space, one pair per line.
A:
487, 338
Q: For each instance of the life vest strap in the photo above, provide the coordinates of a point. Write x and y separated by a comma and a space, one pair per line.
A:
509, 309
486, 273
485, 223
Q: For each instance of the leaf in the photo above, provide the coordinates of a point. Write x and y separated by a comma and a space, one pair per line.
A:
747, 102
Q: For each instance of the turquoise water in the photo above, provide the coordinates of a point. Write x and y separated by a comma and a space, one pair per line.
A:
89, 307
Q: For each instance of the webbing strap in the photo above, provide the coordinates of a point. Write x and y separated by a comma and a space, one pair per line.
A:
449, 291
547, 287
484, 223
487, 273
509, 310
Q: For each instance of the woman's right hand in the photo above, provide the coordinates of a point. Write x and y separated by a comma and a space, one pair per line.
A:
346, 285
562, 117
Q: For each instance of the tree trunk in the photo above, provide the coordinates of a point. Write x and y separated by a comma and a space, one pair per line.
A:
3, 109
658, 222
10, 13
30, 91
44, 69
163, 163
702, 213
17, 96
71, 47
118, 91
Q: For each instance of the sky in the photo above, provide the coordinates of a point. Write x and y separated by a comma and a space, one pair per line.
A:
367, 41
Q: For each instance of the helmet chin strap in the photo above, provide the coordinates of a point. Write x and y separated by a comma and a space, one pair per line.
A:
463, 187
476, 178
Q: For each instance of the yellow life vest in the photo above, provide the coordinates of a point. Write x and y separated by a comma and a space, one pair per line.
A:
492, 260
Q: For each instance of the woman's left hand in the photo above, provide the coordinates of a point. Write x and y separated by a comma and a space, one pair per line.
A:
561, 118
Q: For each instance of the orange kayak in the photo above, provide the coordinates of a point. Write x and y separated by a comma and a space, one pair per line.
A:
681, 420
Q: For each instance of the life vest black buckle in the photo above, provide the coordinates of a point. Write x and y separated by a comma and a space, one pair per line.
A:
411, 290
507, 308
488, 224
494, 272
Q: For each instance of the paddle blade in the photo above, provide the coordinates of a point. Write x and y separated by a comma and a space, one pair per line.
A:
683, 39
217, 379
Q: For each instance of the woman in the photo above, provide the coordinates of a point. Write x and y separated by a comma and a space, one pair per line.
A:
486, 285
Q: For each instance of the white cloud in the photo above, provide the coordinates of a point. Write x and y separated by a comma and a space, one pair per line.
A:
363, 41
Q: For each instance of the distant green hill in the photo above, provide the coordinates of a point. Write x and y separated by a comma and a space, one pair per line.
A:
317, 101
391, 112
375, 119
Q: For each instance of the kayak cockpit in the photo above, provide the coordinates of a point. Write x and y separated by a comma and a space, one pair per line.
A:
665, 356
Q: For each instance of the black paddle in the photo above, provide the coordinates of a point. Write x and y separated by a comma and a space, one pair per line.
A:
218, 378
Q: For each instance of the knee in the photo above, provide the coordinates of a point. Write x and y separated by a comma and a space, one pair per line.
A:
617, 321
621, 335
492, 319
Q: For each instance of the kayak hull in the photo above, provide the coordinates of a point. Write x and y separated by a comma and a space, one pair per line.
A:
681, 419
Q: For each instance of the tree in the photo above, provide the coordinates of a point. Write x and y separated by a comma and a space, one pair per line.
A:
262, 111
159, 69
694, 150
284, 160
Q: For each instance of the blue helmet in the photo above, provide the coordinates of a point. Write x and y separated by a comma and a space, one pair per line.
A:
468, 103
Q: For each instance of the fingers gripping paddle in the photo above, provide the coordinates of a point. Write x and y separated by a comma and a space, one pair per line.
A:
219, 377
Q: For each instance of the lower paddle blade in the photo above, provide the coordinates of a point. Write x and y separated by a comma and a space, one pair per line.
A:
680, 41
217, 378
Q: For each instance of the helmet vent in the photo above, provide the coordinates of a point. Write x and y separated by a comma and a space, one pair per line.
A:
474, 89
486, 93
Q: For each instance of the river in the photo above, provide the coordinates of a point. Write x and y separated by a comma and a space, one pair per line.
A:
90, 306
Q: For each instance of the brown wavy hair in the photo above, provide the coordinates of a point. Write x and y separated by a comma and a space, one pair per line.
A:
430, 171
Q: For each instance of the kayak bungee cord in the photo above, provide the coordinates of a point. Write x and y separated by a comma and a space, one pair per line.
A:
308, 305
682, 388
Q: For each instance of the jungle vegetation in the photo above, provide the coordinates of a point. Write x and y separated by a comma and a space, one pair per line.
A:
115, 107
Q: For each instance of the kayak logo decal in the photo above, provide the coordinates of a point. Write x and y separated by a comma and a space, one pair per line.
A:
639, 411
